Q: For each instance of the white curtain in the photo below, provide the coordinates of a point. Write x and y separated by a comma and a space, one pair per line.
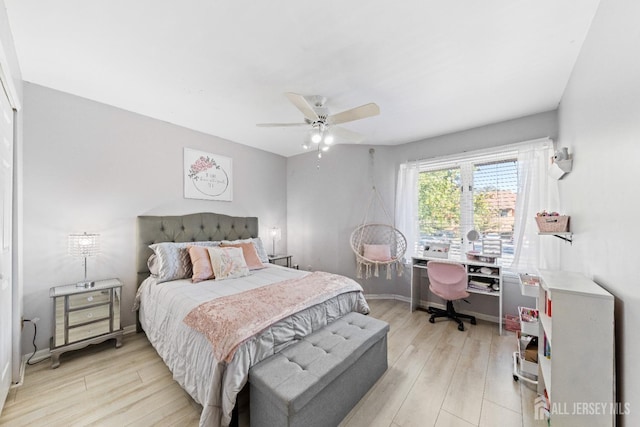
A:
537, 191
407, 206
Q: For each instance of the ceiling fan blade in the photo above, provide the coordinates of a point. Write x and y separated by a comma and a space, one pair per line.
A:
357, 113
346, 134
302, 104
277, 125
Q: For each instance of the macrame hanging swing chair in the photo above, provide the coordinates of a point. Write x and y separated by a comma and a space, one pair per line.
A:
377, 245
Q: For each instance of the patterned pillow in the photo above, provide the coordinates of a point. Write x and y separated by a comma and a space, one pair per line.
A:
228, 262
173, 259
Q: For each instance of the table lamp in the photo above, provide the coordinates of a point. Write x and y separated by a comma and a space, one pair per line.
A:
276, 235
84, 246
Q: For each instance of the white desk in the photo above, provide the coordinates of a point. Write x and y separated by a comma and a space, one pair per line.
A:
419, 264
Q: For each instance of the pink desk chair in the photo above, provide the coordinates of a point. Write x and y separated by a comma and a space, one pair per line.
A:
449, 282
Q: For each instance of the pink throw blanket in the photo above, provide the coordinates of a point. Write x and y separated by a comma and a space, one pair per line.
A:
229, 321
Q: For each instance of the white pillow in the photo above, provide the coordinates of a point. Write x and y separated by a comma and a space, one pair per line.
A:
377, 252
262, 253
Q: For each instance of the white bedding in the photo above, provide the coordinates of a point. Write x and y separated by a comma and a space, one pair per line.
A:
188, 354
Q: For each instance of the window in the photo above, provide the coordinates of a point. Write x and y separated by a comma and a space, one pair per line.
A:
496, 192
475, 193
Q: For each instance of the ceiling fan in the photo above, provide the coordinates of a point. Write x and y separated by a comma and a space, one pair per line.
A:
323, 125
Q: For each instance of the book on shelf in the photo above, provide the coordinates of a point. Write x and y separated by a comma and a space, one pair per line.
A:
546, 350
547, 303
482, 286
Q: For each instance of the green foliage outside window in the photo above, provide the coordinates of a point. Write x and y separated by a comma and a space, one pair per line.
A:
439, 204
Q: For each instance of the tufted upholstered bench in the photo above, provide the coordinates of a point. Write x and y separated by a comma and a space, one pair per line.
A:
319, 379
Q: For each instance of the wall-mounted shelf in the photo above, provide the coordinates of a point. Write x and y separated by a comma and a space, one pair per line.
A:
567, 236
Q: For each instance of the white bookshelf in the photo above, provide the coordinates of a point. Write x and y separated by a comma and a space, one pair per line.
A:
579, 375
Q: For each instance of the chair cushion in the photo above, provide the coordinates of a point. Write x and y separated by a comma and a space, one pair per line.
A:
447, 280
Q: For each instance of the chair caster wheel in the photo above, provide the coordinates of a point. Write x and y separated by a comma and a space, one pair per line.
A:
429, 310
515, 378
473, 321
461, 327
432, 320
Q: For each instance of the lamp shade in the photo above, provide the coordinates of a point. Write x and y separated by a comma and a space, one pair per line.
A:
275, 233
84, 245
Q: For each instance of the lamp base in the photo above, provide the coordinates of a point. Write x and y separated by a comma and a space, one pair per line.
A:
90, 284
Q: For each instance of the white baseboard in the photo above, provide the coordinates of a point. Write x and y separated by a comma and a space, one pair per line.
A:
388, 296
37, 357
131, 329
424, 305
482, 316
45, 353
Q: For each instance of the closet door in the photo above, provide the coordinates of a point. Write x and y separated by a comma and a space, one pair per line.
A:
6, 205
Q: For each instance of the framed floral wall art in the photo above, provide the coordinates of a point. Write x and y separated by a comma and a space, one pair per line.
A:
207, 176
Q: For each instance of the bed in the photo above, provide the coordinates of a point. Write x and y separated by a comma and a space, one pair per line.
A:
214, 377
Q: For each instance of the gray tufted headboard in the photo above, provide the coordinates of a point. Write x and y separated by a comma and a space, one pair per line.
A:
188, 228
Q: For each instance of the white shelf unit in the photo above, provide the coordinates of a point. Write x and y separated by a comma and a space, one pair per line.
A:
579, 375
419, 265
524, 369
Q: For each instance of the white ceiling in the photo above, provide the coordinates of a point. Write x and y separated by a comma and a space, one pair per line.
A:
220, 67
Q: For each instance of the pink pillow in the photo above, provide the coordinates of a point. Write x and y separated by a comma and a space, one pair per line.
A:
249, 252
377, 252
201, 262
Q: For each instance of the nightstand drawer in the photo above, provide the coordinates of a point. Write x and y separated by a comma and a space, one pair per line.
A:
89, 331
89, 315
88, 298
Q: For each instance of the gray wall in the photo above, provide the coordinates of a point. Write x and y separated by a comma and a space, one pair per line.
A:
599, 120
326, 204
92, 167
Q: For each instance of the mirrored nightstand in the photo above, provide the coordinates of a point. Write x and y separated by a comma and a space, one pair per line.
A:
85, 315
273, 259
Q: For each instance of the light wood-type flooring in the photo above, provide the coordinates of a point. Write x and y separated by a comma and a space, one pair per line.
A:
437, 376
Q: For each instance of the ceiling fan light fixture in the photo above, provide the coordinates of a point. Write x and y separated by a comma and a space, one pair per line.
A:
323, 124
316, 136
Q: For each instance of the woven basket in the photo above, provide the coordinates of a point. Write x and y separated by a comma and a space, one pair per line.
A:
553, 224
512, 323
